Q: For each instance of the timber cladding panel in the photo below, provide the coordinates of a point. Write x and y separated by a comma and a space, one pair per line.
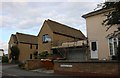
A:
87, 68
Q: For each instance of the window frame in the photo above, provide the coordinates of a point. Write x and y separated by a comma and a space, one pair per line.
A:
113, 53
94, 54
44, 38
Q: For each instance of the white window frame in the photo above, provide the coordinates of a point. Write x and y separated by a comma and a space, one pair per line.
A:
96, 50
112, 45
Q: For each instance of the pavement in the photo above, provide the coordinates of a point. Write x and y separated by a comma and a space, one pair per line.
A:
43, 70
13, 71
0, 69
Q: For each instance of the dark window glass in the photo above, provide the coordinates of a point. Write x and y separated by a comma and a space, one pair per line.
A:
111, 46
94, 46
119, 41
30, 56
46, 38
30, 46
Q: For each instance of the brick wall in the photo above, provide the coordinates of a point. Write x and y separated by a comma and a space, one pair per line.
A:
37, 63
88, 68
33, 64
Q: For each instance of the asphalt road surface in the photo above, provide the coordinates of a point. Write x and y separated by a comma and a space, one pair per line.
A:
13, 71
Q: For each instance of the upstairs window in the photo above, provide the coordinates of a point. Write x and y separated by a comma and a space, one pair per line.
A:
46, 38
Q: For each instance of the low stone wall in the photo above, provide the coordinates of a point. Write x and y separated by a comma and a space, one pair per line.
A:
48, 64
33, 64
37, 63
87, 68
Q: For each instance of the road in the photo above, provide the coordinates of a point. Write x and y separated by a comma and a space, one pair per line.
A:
0, 69
13, 71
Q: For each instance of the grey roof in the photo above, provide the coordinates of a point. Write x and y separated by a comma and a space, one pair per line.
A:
97, 12
25, 38
65, 30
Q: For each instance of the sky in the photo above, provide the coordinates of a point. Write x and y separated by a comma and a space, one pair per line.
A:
27, 16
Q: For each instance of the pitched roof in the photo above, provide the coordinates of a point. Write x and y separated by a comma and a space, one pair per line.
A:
25, 38
97, 12
65, 30
14, 37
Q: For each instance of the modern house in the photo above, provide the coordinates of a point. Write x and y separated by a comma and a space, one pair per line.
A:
54, 34
103, 43
27, 45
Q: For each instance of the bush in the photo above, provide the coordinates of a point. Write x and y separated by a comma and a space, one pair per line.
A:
21, 65
15, 53
4, 59
43, 55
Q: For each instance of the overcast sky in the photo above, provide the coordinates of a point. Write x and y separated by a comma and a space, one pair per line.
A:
28, 16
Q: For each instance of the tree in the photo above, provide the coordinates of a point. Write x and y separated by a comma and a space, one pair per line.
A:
113, 17
4, 59
14, 53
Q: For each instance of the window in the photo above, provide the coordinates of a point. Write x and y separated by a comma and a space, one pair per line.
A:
36, 46
94, 49
94, 46
30, 46
113, 44
119, 41
30, 56
46, 38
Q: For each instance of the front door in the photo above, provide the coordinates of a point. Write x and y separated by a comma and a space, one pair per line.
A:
94, 49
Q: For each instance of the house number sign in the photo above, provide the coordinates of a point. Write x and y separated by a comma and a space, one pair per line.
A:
65, 65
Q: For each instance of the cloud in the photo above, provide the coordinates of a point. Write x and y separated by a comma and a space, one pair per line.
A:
28, 17
52, 0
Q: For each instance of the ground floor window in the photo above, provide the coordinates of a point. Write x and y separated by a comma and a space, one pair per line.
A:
94, 49
30, 56
113, 45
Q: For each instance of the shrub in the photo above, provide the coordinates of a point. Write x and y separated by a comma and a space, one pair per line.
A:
4, 59
21, 65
